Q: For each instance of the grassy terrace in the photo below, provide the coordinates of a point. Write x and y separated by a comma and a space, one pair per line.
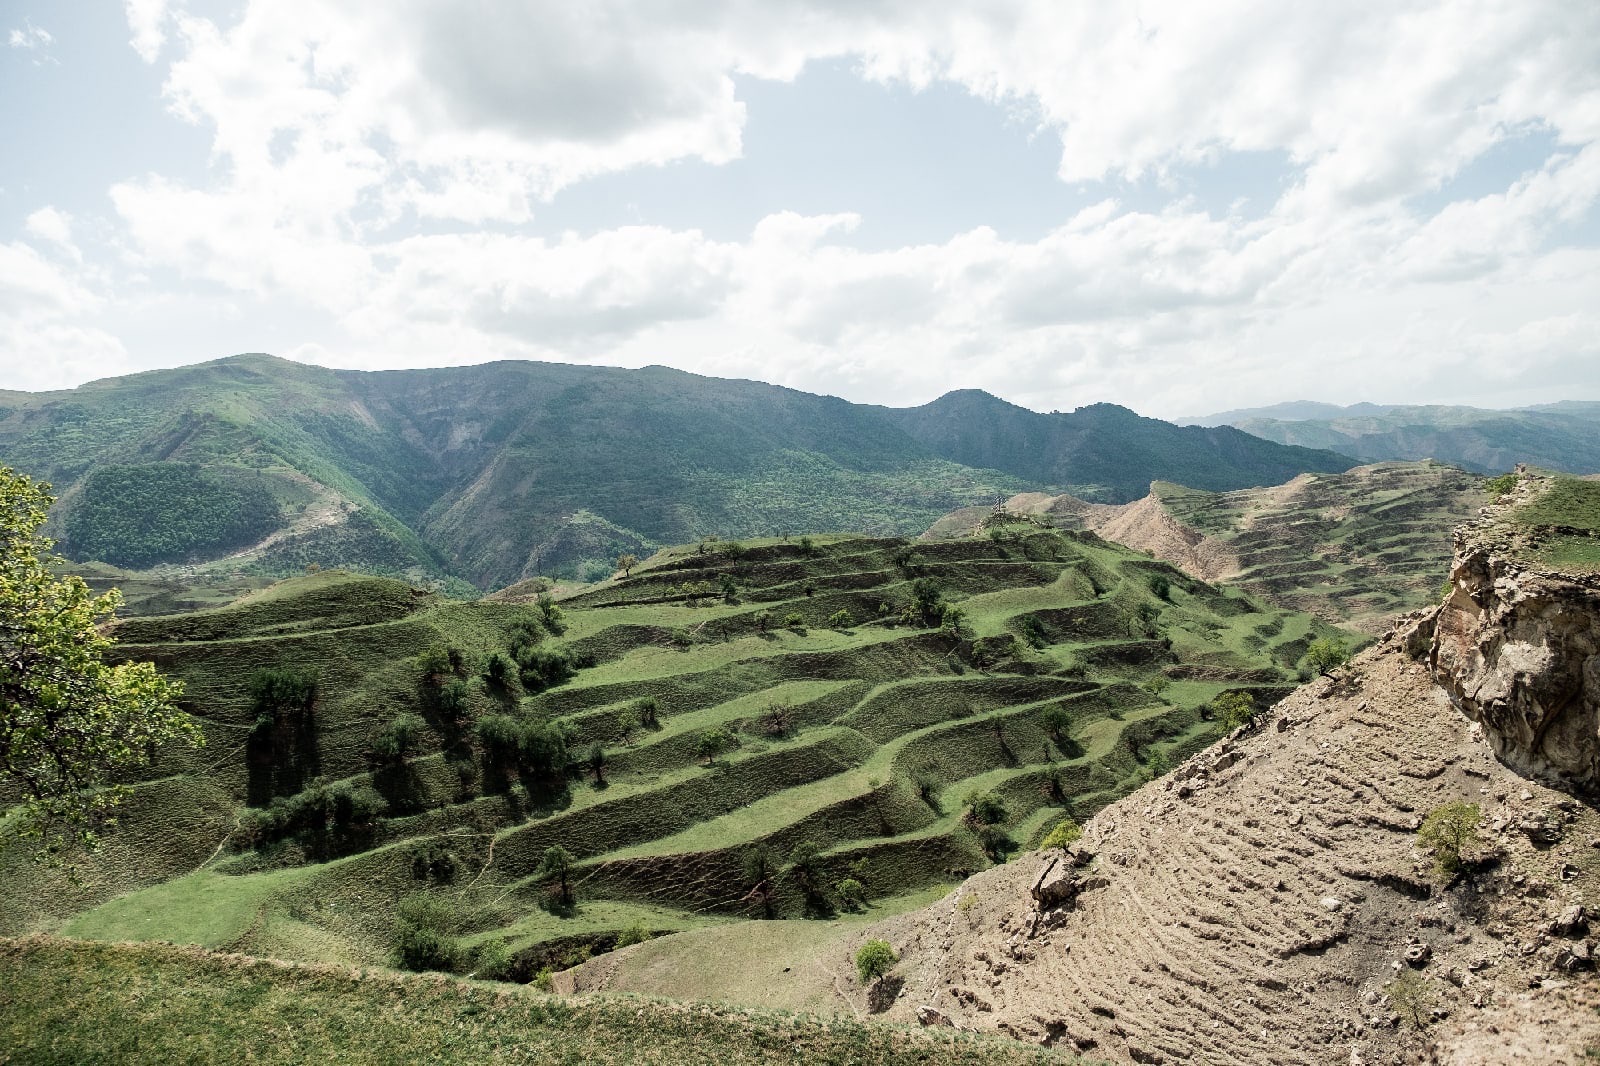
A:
65, 1002
1566, 519
858, 733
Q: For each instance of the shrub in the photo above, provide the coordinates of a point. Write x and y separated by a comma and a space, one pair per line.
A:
492, 960
852, 893
556, 866
1161, 587
757, 862
803, 862
841, 619
985, 808
649, 711
398, 739
550, 614
712, 743
452, 699
499, 672
542, 668
1065, 832
1157, 685
1411, 998
1327, 654
1057, 722
808, 546
634, 934
501, 736
995, 842
1497, 487
926, 779
545, 979
282, 690
1235, 709
794, 621
874, 959
1449, 830
423, 937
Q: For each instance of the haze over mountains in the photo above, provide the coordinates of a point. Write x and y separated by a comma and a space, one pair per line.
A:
497, 472
1559, 436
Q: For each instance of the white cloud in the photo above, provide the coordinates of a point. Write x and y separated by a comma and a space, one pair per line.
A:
43, 332
374, 164
147, 19
54, 227
32, 39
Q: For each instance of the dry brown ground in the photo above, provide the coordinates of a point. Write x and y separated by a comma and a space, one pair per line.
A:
1259, 902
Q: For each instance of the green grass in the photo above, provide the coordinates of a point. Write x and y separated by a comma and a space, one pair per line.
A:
66, 1002
1568, 502
1056, 620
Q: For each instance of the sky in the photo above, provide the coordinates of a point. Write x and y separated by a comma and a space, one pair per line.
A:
1178, 207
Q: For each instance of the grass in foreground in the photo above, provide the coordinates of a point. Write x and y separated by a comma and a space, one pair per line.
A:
70, 1002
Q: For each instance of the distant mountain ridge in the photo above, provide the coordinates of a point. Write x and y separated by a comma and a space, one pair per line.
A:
1562, 436
497, 472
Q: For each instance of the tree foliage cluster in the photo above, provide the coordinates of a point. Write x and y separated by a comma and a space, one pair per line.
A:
140, 516
70, 723
538, 748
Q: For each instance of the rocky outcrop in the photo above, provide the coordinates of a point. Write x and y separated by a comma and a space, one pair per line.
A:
1517, 647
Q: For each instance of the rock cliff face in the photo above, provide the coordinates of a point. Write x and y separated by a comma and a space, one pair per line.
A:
1517, 647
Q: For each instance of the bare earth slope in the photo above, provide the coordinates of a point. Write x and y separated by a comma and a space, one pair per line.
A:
1354, 548
1252, 906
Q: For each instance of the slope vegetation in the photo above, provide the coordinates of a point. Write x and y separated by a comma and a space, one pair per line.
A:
855, 691
95, 1003
1267, 902
1354, 548
491, 474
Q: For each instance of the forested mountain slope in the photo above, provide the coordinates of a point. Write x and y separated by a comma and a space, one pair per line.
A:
496, 472
1561, 436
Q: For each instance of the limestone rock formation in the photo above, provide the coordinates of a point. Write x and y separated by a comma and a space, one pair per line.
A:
1517, 647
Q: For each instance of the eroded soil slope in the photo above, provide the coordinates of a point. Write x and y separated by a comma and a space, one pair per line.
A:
1255, 905
1354, 548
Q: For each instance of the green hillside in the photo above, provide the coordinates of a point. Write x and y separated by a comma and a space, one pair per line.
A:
1353, 548
1101, 452
492, 474
66, 1002
1358, 547
413, 759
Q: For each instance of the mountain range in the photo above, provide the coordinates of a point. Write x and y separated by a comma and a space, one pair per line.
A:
1559, 436
490, 474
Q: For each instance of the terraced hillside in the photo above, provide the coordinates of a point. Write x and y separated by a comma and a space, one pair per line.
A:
731, 732
1354, 548
487, 475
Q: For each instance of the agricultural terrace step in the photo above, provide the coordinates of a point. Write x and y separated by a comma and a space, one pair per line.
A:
354, 602
904, 706
607, 826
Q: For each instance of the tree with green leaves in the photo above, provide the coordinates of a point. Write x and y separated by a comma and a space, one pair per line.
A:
1449, 830
985, 808
712, 743
1065, 832
1327, 654
757, 863
1235, 709
70, 723
556, 865
595, 759
626, 562
874, 959
1057, 721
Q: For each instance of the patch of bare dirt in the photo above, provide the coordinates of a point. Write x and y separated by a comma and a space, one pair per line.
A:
1258, 904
